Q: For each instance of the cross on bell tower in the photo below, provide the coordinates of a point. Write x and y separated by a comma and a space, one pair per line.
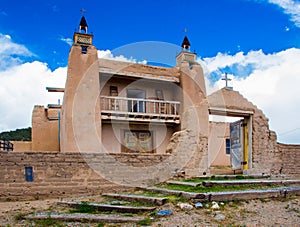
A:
83, 24
226, 82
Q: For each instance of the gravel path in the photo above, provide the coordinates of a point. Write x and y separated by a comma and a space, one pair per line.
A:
275, 212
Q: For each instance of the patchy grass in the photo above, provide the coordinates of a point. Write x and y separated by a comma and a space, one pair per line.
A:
145, 222
48, 222
176, 199
294, 210
217, 188
199, 180
19, 217
84, 207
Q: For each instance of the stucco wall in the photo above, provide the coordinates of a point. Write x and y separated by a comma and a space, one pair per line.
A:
44, 132
59, 174
218, 132
22, 145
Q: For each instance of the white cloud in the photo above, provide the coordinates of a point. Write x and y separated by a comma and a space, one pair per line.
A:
272, 85
107, 54
68, 41
24, 86
11, 52
291, 8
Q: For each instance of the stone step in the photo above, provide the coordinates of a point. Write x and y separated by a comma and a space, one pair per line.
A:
187, 195
108, 207
85, 217
185, 183
252, 194
232, 195
211, 183
249, 182
138, 198
252, 176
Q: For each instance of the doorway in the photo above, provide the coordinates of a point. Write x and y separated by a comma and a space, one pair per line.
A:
239, 144
136, 105
230, 141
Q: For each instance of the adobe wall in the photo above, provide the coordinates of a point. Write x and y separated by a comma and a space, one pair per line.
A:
22, 145
59, 174
290, 159
44, 132
81, 90
193, 137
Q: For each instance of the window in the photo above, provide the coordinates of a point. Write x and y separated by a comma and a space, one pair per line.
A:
84, 49
136, 104
138, 141
227, 143
159, 94
113, 90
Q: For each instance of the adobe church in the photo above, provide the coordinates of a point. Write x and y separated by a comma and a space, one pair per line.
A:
123, 109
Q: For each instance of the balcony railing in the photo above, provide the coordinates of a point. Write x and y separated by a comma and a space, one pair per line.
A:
122, 108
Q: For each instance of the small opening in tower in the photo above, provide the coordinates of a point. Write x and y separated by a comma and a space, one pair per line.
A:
84, 49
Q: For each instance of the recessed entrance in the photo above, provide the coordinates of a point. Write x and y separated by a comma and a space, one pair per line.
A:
230, 142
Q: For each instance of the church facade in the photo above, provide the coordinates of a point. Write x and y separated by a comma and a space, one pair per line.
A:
117, 107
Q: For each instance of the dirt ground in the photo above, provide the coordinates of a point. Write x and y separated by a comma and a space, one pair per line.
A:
264, 212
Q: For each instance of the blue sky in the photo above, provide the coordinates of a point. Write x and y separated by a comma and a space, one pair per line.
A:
257, 42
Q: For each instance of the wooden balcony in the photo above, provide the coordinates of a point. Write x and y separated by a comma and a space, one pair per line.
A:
144, 110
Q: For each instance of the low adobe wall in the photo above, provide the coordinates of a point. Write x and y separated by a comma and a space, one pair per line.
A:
290, 162
59, 174
22, 145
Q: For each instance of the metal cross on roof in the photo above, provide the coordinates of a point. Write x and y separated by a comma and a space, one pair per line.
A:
82, 11
226, 81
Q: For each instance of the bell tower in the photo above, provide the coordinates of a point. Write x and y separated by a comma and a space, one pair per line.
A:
82, 37
185, 55
82, 64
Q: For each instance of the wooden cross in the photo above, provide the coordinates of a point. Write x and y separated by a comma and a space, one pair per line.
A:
226, 80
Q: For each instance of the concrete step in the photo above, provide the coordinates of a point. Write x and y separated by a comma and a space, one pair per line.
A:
249, 182
185, 183
138, 198
211, 183
108, 207
224, 171
232, 195
282, 192
252, 176
85, 217
187, 195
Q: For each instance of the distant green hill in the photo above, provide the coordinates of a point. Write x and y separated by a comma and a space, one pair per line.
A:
23, 134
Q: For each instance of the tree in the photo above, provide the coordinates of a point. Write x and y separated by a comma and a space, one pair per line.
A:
23, 134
